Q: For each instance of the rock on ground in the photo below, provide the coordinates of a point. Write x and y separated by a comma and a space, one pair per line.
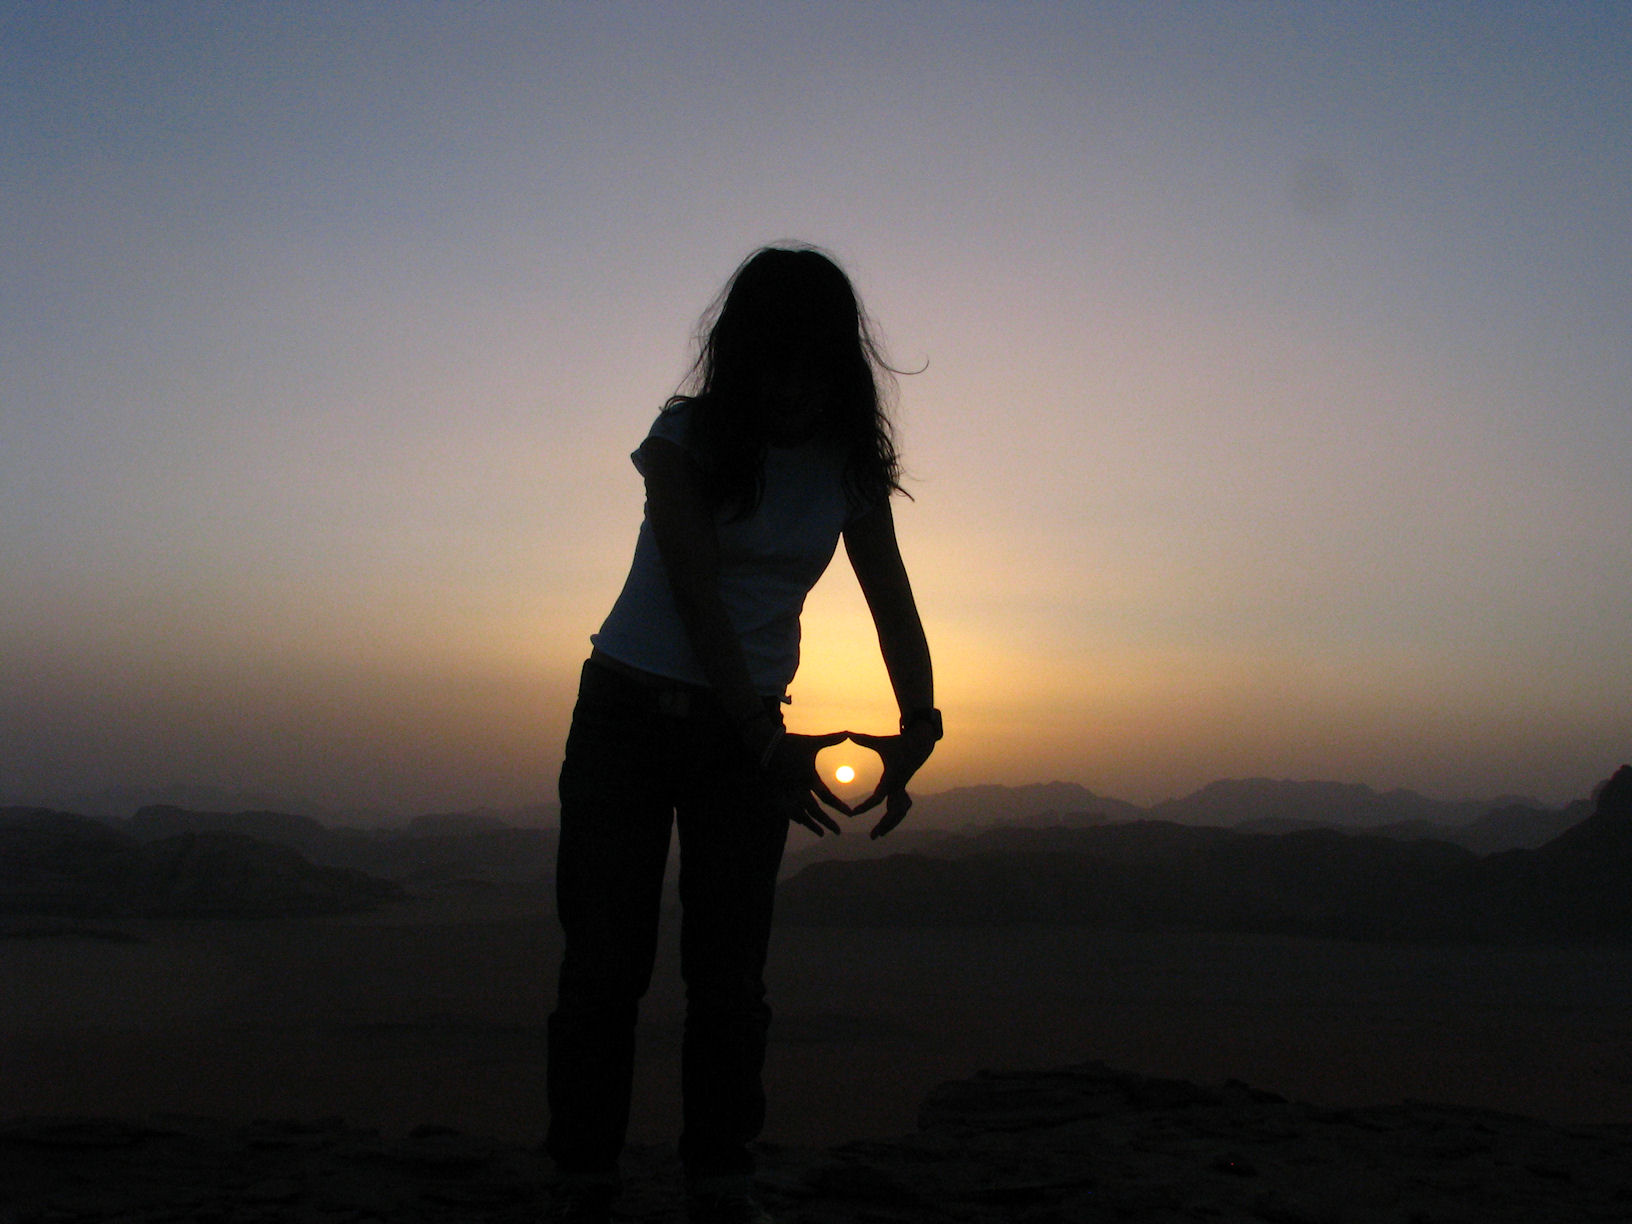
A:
1076, 1145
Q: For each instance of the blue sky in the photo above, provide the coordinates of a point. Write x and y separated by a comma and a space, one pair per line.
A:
1275, 418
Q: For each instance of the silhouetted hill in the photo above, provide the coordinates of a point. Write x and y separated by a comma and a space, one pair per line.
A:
1041, 803
455, 822
1517, 827
855, 844
532, 816
973, 819
302, 833
513, 855
1608, 830
60, 864
1513, 827
1232, 802
1579, 885
481, 848
436, 848
118, 802
50, 860
1314, 881
1142, 875
1259, 805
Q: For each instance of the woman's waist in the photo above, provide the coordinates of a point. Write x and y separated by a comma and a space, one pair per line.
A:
639, 675
609, 679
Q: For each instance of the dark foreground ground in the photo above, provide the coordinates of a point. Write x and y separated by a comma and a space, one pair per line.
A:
1080, 1144
433, 1012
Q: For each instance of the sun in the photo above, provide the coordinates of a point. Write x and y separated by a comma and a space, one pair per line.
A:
845, 774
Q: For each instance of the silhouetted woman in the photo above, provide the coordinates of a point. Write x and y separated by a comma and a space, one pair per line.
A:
782, 448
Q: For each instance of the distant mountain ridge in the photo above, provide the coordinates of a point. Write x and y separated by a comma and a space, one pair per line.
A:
1230, 802
1153, 874
441, 846
169, 861
303, 833
481, 848
1036, 803
65, 865
1260, 804
117, 803
1270, 804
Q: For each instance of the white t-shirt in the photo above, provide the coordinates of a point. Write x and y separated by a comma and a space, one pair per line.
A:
768, 563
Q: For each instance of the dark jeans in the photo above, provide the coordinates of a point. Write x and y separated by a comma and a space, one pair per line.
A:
639, 759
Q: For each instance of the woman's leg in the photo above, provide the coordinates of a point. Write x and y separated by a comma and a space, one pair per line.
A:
616, 813
731, 843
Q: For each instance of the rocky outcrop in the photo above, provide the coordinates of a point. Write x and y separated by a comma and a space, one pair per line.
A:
1577, 886
1081, 1144
1610, 825
1515, 827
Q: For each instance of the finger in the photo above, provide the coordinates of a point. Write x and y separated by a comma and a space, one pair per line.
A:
799, 816
828, 797
876, 742
872, 800
788, 807
827, 740
816, 814
893, 814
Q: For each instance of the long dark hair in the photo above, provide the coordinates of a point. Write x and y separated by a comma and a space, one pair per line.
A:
789, 310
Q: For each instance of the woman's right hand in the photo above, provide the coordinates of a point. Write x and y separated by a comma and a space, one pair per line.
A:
798, 785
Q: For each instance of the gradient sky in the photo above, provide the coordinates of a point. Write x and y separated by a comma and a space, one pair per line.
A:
1276, 418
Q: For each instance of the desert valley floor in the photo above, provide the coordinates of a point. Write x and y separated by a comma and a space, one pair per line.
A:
434, 1010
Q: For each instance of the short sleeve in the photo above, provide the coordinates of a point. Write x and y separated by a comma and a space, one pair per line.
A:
673, 424
854, 510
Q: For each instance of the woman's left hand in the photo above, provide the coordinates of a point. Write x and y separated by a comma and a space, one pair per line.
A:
902, 756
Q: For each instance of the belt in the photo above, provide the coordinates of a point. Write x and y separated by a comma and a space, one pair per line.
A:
619, 681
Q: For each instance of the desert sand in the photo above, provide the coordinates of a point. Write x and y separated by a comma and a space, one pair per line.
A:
431, 1014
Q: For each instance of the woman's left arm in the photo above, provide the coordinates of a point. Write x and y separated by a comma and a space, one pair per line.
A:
875, 555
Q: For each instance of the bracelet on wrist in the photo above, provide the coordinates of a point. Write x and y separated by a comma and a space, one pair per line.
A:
928, 715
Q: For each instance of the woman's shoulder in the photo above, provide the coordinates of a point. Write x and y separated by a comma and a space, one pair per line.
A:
674, 421
675, 425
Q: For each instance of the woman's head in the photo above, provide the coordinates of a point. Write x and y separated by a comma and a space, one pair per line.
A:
787, 355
